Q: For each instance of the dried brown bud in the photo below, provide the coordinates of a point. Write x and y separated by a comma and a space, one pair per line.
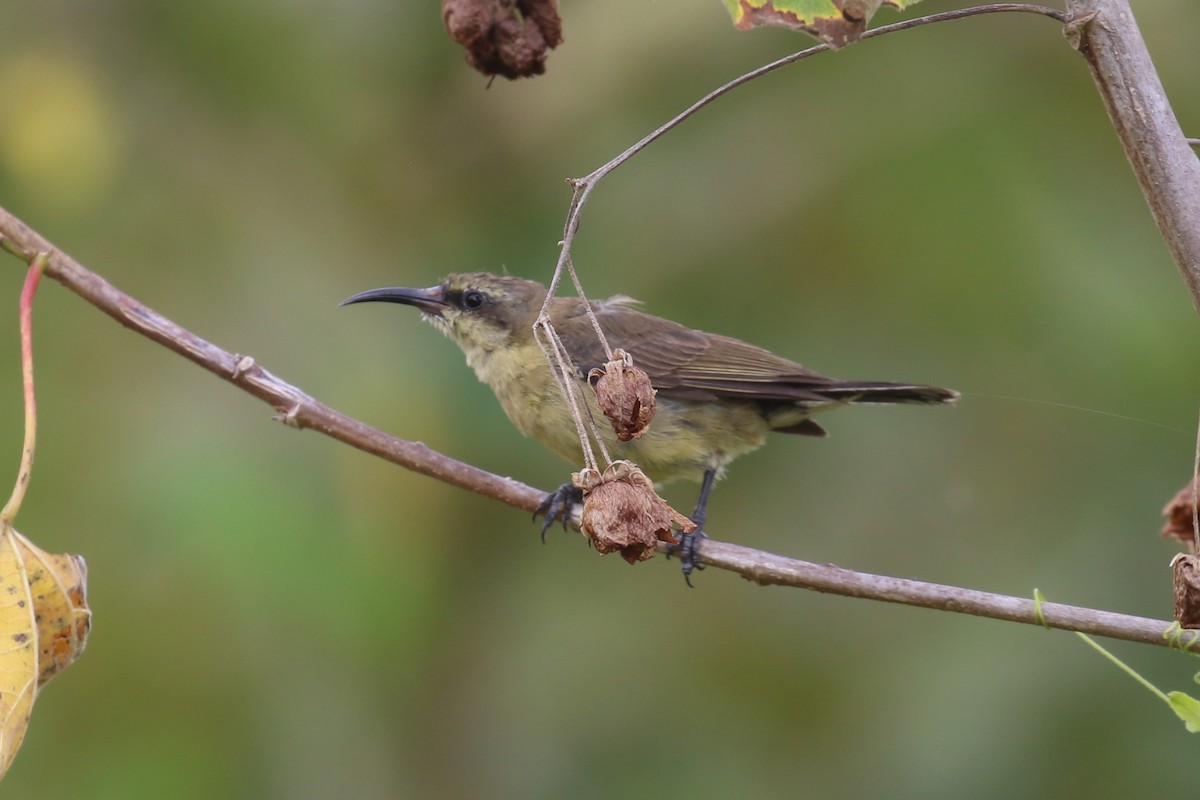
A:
624, 395
504, 37
1187, 590
1179, 514
623, 513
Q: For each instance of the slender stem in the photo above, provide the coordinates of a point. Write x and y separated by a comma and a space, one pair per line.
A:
556, 353
1125, 668
591, 313
25, 317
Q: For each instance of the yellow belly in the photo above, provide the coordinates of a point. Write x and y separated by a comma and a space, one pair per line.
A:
685, 438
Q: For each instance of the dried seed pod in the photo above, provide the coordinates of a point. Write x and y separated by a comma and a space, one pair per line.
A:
1186, 570
623, 513
624, 395
1179, 514
504, 37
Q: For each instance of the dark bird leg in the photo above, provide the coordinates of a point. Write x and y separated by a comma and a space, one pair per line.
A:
689, 543
557, 506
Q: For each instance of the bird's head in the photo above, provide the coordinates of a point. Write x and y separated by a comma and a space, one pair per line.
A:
479, 311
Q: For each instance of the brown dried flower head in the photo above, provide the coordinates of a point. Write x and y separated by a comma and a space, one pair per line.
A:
624, 395
504, 37
1186, 569
622, 512
1179, 514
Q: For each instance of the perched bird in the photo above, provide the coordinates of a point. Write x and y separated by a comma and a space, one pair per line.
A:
717, 397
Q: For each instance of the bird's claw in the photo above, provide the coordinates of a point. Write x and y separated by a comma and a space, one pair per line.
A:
557, 506
688, 550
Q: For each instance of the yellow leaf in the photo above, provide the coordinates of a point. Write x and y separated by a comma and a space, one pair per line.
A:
58, 584
44, 622
18, 649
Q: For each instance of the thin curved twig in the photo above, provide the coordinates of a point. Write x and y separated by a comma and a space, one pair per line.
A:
581, 188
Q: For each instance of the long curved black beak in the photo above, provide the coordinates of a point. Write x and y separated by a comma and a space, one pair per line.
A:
431, 300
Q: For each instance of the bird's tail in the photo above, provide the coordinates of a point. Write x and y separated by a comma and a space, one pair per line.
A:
879, 392
797, 418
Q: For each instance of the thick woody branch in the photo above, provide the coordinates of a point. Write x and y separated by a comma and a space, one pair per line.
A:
298, 409
1107, 36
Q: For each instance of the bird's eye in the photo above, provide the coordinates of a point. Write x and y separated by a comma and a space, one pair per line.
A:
473, 299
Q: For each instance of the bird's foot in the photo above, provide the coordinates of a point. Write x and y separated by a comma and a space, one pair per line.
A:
688, 550
558, 505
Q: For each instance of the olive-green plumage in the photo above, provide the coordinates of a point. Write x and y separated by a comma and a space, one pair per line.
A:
718, 397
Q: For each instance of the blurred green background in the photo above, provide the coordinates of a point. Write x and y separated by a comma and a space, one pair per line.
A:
279, 616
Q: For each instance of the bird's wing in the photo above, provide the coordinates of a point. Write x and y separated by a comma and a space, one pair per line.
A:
685, 363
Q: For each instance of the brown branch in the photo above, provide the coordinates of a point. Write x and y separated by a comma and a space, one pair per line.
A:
1107, 36
294, 406
302, 411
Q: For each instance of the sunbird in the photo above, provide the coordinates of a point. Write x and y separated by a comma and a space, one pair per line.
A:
717, 397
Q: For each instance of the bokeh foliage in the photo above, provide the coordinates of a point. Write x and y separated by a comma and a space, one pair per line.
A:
280, 616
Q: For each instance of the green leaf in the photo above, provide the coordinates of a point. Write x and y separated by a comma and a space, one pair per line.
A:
1187, 708
834, 22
